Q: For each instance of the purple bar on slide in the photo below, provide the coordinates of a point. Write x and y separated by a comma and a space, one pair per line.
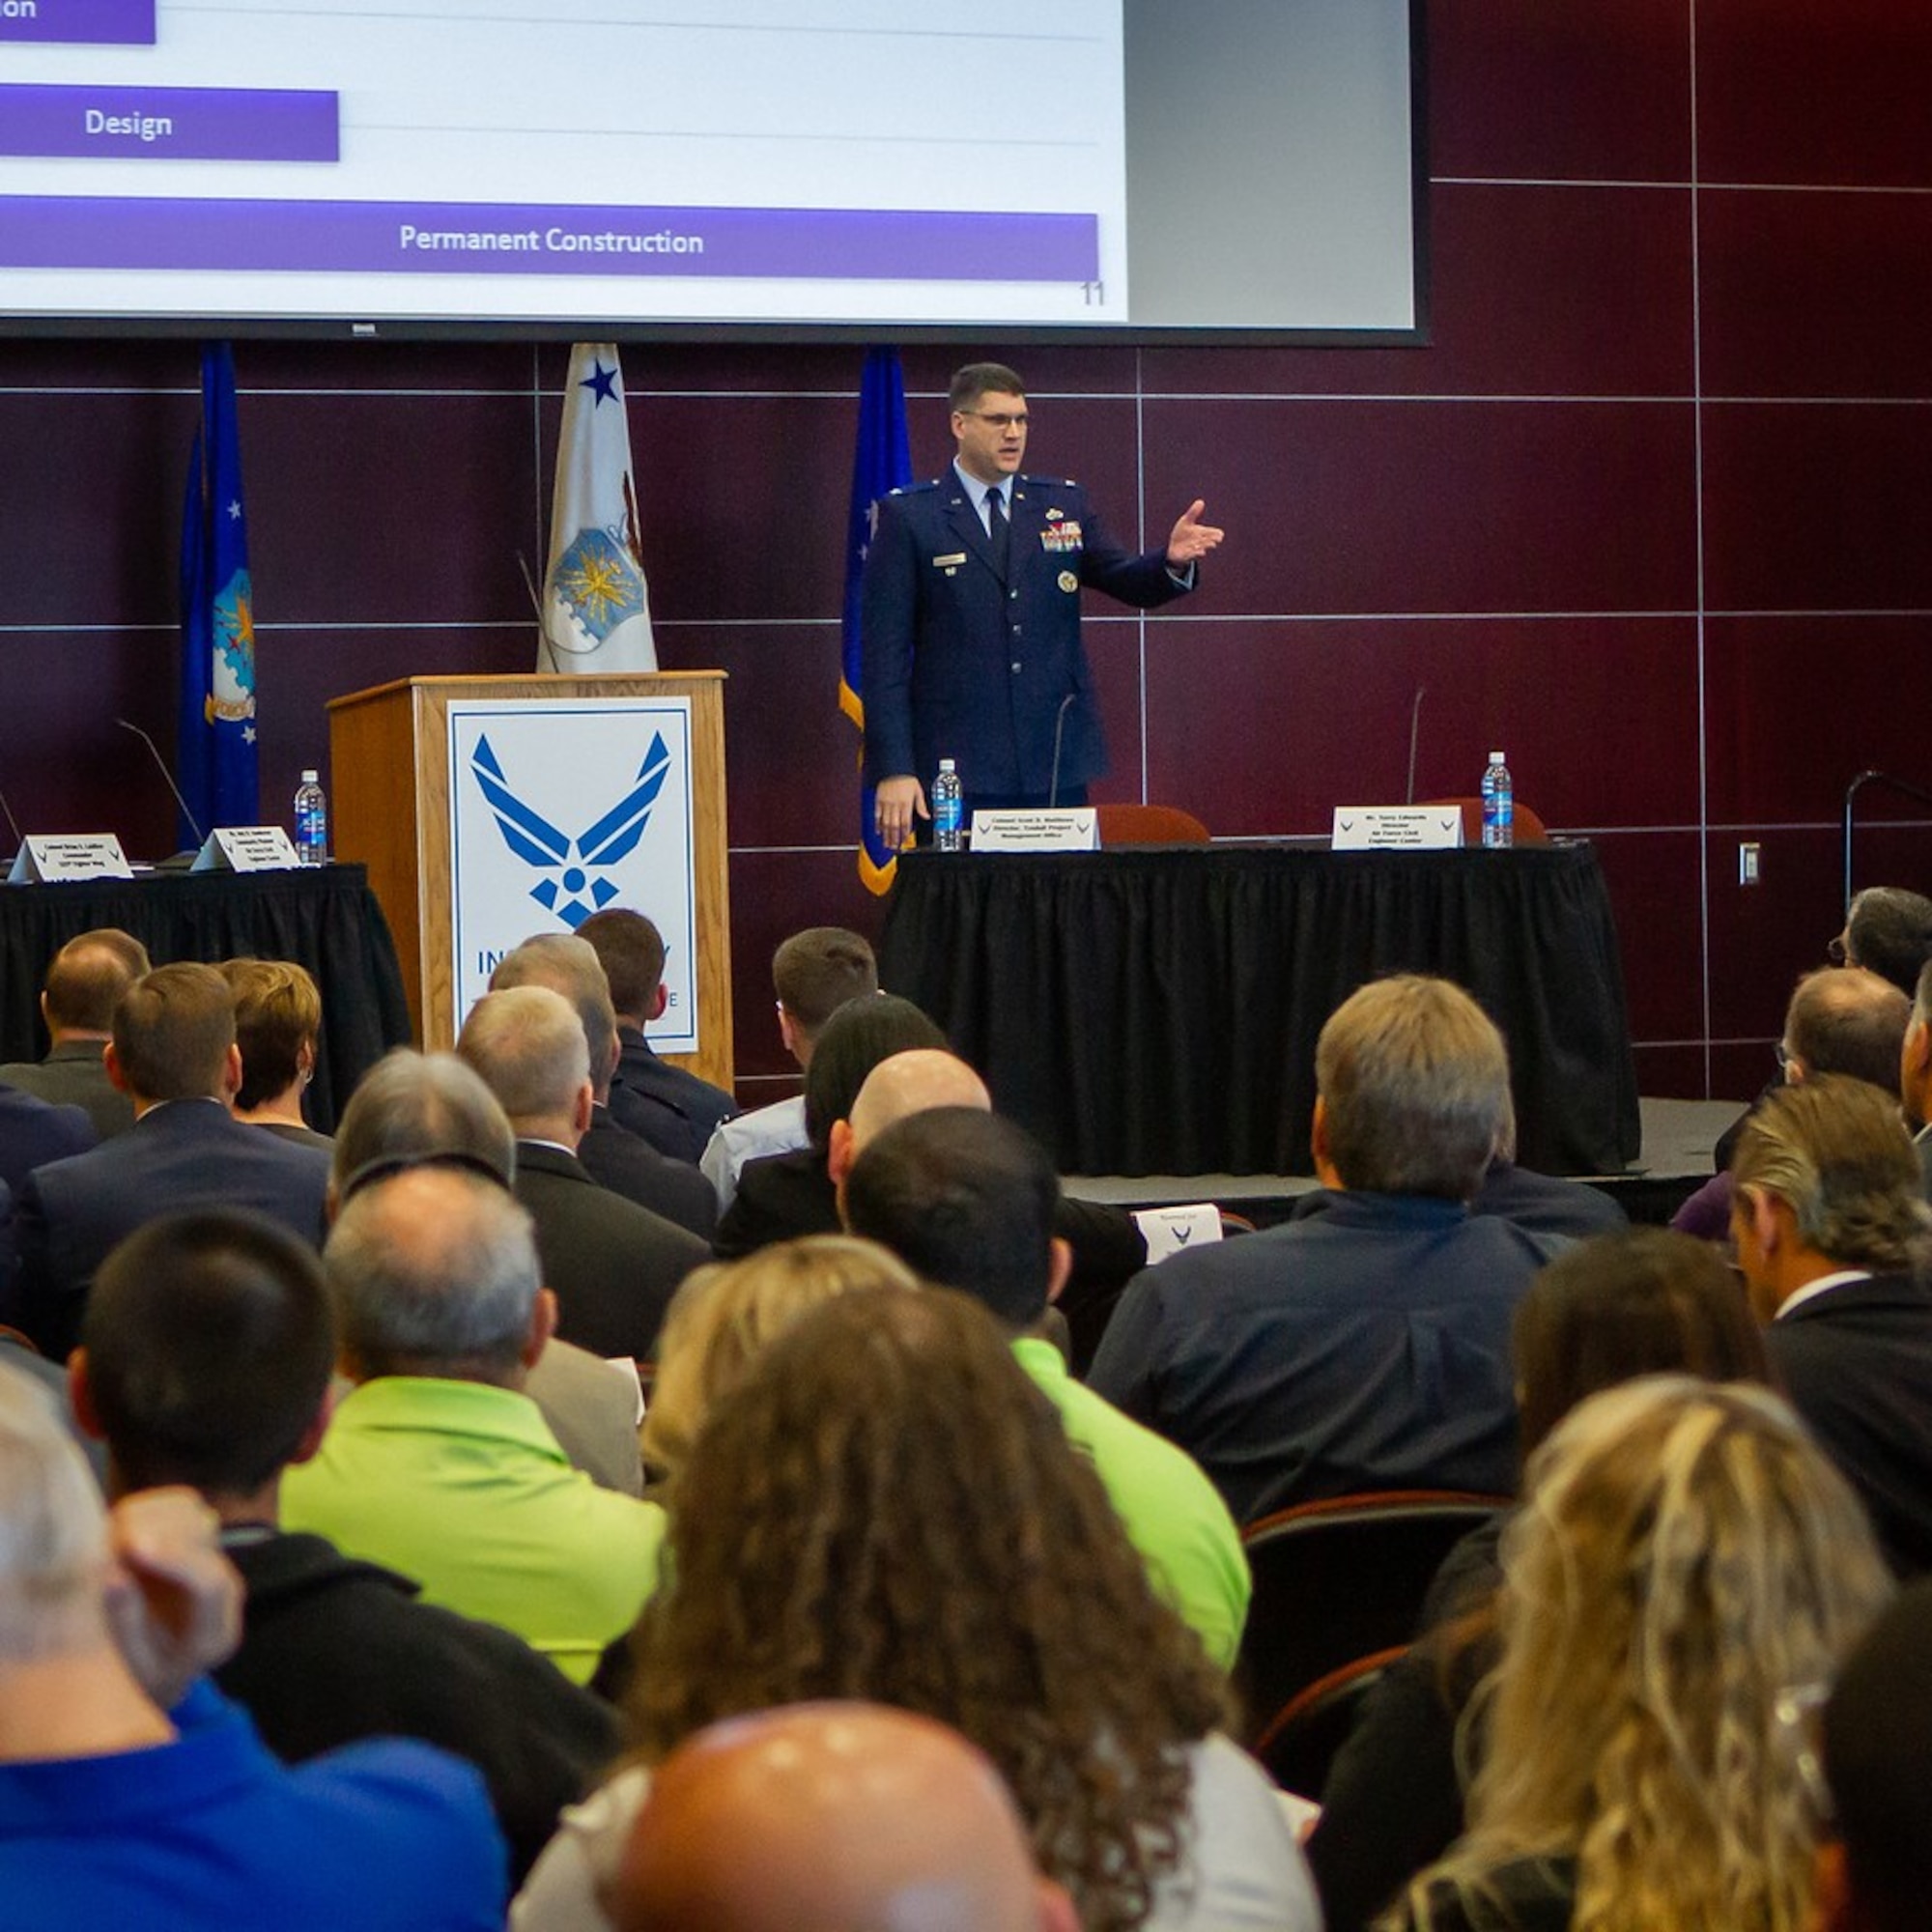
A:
118, 24
169, 123
406, 238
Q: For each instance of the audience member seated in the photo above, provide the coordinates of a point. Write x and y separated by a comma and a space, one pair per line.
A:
1914, 1078
174, 1054
205, 1360
612, 1263
33, 1132
674, 1110
1640, 1304
84, 984
813, 972
1831, 1236
624, 1162
410, 1109
832, 1818
1840, 1020
967, 1200
785, 1195
277, 1025
1366, 1346
1887, 931
437, 1465
885, 1509
132, 1793
1875, 1871
728, 1313
1686, 1559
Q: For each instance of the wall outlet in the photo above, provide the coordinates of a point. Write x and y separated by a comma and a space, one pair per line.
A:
1748, 872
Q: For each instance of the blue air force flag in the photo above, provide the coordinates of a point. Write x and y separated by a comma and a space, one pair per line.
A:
596, 616
881, 464
215, 748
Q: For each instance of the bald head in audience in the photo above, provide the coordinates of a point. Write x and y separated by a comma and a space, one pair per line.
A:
85, 980
411, 1107
569, 966
1843, 1019
908, 1083
832, 1818
528, 1046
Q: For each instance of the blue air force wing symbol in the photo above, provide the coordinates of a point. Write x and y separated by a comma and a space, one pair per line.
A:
573, 887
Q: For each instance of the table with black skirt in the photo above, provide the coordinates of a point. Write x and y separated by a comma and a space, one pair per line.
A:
324, 918
1155, 1010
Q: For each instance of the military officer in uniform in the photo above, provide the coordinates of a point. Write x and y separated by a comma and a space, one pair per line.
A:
971, 618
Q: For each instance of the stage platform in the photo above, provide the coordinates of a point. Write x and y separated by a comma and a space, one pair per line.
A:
1675, 1161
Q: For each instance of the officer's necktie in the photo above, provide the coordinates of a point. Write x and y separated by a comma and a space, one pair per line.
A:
999, 526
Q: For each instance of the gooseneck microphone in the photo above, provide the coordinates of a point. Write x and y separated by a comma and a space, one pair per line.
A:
1414, 731
161, 766
1059, 727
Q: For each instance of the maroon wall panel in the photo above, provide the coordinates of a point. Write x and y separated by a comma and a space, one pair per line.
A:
1648, 513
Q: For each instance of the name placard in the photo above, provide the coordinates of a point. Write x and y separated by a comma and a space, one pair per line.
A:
1066, 829
1172, 1230
83, 855
246, 848
1397, 828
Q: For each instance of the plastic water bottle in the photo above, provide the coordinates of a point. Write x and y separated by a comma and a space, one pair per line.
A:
1498, 803
311, 821
948, 808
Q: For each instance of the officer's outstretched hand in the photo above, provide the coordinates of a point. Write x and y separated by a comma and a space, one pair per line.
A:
1191, 538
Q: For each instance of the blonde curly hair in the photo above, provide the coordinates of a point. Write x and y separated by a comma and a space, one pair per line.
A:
1686, 1557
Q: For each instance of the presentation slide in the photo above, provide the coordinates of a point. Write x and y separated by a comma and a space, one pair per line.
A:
802, 161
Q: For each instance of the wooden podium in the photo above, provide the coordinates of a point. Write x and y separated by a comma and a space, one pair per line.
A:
390, 756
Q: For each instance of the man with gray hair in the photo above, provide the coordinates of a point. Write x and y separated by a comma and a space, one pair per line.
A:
134, 1793
1365, 1346
1887, 931
615, 1265
1831, 1240
437, 1465
413, 1108
623, 1161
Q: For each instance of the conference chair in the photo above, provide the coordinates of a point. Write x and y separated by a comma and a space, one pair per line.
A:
1338, 1582
1149, 825
1529, 829
1301, 1741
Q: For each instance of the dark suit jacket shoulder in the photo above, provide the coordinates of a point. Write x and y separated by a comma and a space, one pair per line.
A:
1857, 1363
674, 1111
188, 1154
627, 1164
334, 1651
612, 1265
75, 1075
779, 1198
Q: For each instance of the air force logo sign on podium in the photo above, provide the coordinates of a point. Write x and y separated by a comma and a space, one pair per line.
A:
558, 811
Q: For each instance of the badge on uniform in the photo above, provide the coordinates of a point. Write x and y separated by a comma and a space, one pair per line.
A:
1068, 582
1061, 537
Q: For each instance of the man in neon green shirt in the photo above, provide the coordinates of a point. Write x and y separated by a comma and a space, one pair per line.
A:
967, 1200
436, 1465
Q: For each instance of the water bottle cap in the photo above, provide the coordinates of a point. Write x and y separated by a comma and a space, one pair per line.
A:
945, 764
1496, 757
309, 778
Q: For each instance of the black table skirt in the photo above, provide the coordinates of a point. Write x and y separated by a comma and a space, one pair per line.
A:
325, 919
1155, 1010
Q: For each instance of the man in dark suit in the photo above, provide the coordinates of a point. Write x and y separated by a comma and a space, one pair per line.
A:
173, 1054
971, 618
84, 984
674, 1110
624, 1162
611, 1264
1831, 1237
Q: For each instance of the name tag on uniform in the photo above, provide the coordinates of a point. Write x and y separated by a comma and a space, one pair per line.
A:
957, 557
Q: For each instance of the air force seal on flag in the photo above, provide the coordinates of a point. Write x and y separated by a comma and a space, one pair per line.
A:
232, 685
573, 884
597, 585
